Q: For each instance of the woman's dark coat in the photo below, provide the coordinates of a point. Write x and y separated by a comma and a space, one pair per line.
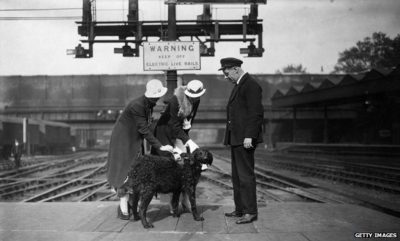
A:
126, 139
170, 125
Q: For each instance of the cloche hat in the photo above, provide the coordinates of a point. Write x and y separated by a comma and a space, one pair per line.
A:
155, 89
195, 89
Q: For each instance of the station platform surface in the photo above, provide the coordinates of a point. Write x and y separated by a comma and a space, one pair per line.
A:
276, 221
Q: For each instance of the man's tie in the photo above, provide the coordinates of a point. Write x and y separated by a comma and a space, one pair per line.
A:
233, 93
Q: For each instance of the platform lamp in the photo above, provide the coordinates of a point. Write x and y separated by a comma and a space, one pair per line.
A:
206, 51
80, 52
252, 51
127, 51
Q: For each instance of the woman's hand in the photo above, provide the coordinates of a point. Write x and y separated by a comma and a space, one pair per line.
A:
168, 148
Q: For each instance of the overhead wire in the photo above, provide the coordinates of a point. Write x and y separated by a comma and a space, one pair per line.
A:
41, 18
37, 9
28, 18
52, 9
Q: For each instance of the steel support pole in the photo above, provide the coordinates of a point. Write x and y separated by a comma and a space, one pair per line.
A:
172, 75
133, 15
25, 136
133, 10
86, 11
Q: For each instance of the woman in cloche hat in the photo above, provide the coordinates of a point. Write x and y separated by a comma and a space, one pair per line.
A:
127, 138
176, 121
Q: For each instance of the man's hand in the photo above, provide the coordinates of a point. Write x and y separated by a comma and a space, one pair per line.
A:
247, 143
168, 148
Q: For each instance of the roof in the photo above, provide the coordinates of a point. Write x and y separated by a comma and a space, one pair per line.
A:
348, 89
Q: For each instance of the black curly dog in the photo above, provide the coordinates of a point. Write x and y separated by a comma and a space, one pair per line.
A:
155, 174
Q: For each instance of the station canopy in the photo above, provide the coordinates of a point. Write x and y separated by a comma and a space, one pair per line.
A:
349, 89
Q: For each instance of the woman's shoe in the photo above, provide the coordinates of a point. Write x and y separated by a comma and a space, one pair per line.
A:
123, 216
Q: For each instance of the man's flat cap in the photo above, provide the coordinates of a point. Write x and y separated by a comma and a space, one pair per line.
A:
229, 63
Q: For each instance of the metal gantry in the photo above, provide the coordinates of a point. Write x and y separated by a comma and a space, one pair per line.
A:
206, 30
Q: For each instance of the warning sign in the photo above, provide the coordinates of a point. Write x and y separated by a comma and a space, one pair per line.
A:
171, 55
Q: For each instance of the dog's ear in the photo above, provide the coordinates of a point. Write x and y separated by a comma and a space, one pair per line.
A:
209, 158
197, 154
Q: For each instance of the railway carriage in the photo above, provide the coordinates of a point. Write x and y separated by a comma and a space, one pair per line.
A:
39, 137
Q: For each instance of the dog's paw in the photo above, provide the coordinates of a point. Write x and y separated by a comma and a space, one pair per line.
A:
136, 218
199, 218
176, 215
149, 225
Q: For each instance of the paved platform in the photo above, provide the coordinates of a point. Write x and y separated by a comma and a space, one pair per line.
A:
277, 221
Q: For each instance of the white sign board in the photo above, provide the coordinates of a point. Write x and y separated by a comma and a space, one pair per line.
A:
171, 55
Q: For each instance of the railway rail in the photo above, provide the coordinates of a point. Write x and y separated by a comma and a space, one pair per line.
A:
348, 182
81, 177
65, 179
378, 177
268, 184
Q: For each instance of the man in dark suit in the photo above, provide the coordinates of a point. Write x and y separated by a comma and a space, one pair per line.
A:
243, 133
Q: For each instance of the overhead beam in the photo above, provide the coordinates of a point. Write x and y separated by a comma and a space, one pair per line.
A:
181, 30
136, 31
220, 1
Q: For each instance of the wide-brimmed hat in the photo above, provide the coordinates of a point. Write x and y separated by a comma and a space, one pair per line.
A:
195, 89
155, 89
230, 62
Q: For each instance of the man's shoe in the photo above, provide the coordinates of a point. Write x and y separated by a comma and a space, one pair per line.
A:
234, 214
123, 216
247, 218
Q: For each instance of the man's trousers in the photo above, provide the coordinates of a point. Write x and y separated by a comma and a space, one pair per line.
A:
244, 180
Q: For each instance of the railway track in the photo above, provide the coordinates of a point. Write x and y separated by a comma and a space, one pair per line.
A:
67, 179
74, 179
81, 178
372, 176
274, 187
9, 166
366, 183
